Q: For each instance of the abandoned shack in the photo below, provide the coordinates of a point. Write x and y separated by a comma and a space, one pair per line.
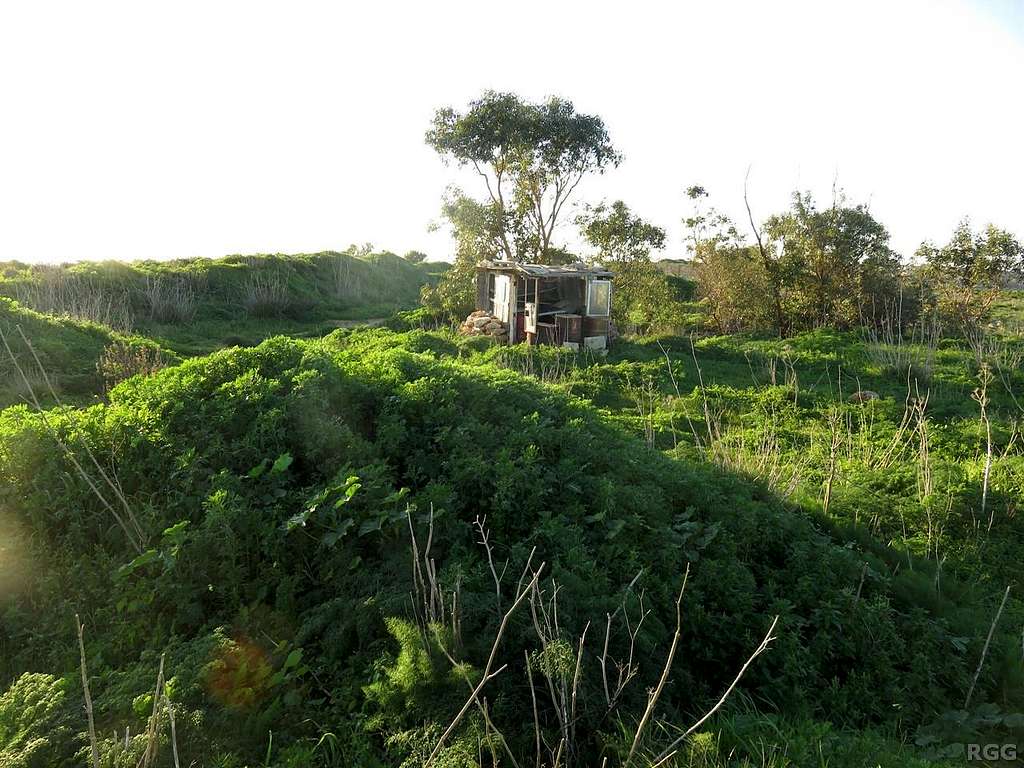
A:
566, 305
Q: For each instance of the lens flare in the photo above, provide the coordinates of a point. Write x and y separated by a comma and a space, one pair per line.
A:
15, 559
239, 677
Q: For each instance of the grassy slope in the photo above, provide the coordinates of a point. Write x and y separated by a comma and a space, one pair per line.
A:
783, 440
227, 301
436, 415
1009, 310
871, 505
68, 350
84, 303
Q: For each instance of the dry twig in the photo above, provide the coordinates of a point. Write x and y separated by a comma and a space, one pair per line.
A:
93, 745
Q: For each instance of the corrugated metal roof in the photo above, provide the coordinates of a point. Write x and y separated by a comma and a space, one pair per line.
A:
545, 270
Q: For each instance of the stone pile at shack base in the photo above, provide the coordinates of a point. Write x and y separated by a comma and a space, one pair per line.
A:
483, 323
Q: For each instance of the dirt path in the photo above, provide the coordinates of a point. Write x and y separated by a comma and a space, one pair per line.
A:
371, 322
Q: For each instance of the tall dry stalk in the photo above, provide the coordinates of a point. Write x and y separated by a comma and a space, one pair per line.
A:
629, 669
645, 397
984, 651
760, 457
671, 749
545, 623
792, 380
533, 699
93, 744
489, 673
655, 694
919, 412
170, 300
565, 691
266, 295
1005, 356
174, 730
703, 390
429, 597
901, 438
489, 725
481, 525
348, 283
153, 728
675, 388
860, 584
835, 424
53, 290
980, 396
887, 347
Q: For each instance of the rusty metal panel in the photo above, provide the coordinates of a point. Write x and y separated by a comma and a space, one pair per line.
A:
595, 326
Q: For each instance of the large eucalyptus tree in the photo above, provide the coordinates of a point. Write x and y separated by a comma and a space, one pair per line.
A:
531, 157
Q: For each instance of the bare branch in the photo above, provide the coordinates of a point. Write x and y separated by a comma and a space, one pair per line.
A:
485, 541
533, 697
153, 730
174, 731
984, 651
672, 748
93, 746
652, 699
576, 679
487, 673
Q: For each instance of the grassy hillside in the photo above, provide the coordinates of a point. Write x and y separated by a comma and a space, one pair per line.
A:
1008, 311
264, 551
145, 315
198, 305
71, 352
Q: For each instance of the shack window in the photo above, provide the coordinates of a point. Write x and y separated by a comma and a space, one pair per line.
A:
599, 298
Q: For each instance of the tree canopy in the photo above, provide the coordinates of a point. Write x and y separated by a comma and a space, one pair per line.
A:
531, 157
828, 256
809, 266
623, 242
969, 271
618, 235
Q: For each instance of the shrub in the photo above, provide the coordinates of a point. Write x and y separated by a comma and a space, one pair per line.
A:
170, 299
34, 722
59, 292
122, 360
266, 295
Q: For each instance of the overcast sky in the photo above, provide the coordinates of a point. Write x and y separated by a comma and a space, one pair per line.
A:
159, 130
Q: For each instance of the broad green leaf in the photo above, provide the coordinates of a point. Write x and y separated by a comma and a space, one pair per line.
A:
282, 463
369, 526
258, 470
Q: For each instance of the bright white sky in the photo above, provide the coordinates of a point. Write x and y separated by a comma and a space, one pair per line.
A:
157, 130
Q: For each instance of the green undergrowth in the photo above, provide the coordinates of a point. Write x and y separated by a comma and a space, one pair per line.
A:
275, 488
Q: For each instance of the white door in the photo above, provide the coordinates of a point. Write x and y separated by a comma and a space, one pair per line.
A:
502, 291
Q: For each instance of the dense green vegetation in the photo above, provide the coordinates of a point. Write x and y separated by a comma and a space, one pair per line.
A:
271, 487
811, 266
